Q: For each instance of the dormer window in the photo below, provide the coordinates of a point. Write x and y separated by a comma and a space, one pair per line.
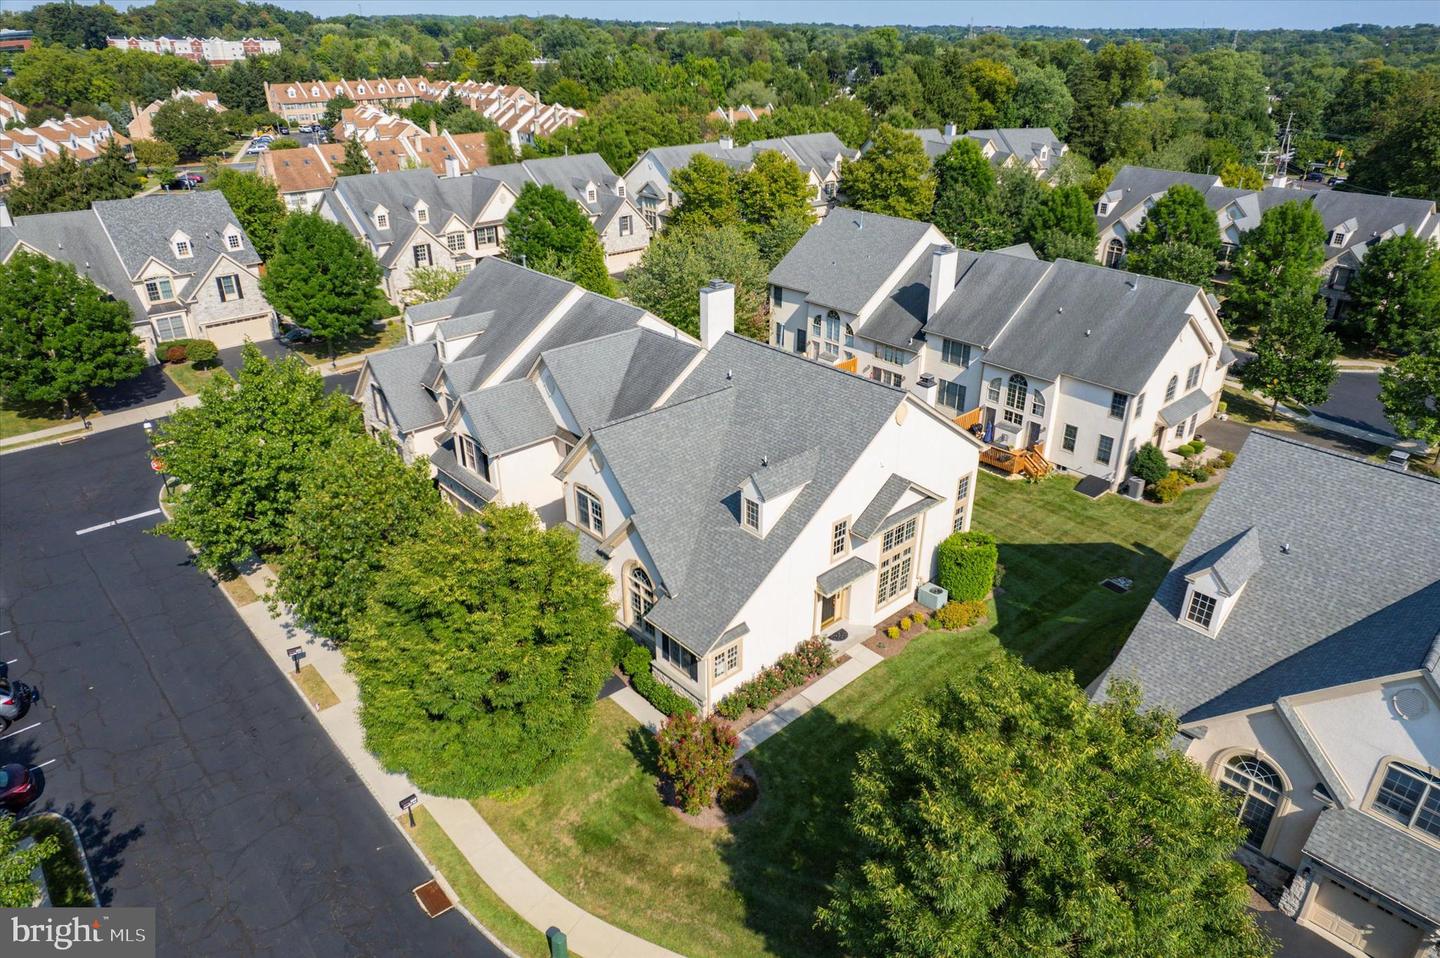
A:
750, 514
590, 193
1102, 208
620, 189
1337, 238
422, 213
1201, 610
232, 240
382, 218
180, 243
1411, 797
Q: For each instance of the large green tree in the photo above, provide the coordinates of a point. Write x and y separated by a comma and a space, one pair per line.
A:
192, 128
1294, 351
546, 230
256, 204
240, 456
772, 190
335, 106
1007, 815
60, 334
357, 498
967, 205
1280, 257
62, 184
1062, 223
322, 277
17, 864
1410, 394
705, 193
1395, 296
893, 177
1179, 240
682, 259
355, 162
480, 651
1405, 161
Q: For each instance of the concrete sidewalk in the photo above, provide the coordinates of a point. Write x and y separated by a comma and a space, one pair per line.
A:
640, 710
862, 660
500, 868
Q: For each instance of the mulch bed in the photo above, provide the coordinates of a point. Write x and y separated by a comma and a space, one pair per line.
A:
751, 716
745, 785
886, 647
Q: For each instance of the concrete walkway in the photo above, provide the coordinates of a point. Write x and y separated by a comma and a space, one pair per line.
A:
862, 660
500, 868
640, 710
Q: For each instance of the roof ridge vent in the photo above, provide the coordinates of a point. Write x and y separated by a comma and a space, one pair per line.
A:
1285, 548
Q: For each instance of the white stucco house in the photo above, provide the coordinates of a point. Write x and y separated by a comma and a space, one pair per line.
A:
179, 260
1353, 221
712, 515
1052, 364
1297, 638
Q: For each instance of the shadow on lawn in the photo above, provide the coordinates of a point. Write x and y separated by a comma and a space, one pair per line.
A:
782, 858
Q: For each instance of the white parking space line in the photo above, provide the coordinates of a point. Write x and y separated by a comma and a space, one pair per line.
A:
11, 661
36, 768
116, 522
19, 730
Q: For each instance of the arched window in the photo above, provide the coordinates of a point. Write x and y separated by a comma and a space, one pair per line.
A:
1258, 787
832, 327
1114, 251
1015, 392
1037, 404
642, 594
849, 335
992, 393
1170, 389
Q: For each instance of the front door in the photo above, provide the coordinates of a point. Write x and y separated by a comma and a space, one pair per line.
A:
832, 608
1034, 435
800, 340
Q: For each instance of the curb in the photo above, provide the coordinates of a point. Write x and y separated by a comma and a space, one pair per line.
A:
79, 845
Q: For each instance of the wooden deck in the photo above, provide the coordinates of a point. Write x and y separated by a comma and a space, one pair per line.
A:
1031, 462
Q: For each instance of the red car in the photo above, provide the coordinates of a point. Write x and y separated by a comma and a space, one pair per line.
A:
18, 787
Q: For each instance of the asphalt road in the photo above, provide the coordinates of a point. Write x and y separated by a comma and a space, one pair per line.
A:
201, 783
1355, 401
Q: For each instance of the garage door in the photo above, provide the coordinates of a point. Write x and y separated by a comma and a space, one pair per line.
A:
1362, 924
235, 331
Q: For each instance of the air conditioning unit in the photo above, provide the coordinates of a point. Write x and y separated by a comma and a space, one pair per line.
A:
931, 596
1135, 487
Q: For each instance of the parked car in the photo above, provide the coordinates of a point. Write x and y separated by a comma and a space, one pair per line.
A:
257, 149
15, 699
1315, 176
283, 130
182, 183
1335, 180
194, 179
296, 335
18, 787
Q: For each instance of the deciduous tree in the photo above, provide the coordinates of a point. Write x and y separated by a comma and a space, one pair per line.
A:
1063, 221
60, 334
967, 208
322, 278
1410, 393
335, 106
480, 651
772, 190
256, 204
893, 177
433, 282
1281, 256
1395, 296
192, 128
1294, 352
17, 864
705, 190
682, 259
546, 230
1008, 815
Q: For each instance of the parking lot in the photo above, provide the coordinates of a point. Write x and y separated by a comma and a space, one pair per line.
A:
199, 780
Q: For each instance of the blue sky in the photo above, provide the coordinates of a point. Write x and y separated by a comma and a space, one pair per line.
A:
1231, 14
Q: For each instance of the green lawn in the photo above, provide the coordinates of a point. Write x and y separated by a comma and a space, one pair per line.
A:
190, 378
20, 418
317, 353
598, 832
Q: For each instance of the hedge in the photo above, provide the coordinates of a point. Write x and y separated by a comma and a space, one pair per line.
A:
635, 662
966, 565
810, 658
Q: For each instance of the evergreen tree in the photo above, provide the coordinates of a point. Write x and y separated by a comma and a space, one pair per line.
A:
705, 190
60, 334
1280, 257
1079, 851
1395, 297
547, 231
322, 278
334, 107
256, 203
56, 187
893, 177
1294, 352
480, 651
356, 161
109, 176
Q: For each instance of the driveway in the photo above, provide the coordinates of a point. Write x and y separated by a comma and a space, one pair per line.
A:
202, 784
1355, 401
152, 385
232, 356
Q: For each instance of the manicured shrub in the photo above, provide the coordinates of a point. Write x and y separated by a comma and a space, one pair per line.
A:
905, 624
696, 756
920, 617
893, 632
1199, 473
1226, 459
966, 565
1149, 464
954, 616
810, 658
175, 354
635, 662
1169, 488
620, 646
1199, 445
1221, 407
201, 351
1186, 450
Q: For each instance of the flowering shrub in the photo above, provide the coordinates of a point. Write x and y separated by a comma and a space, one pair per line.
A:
893, 632
905, 624
809, 659
960, 615
696, 756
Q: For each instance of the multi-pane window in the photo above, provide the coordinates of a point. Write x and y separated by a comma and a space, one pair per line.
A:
158, 290
892, 355
1257, 786
727, 661
839, 537
992, 392
642, 595
888, 378
1103, 449
627, 225
832, 327
1170, 389
455, 242
962, 499
951, 395
752, 515
588, 512
957, 354
849, 335
382, 221
1118, 404
169, 327
1202, 609
487, 235
472, 457
780, 335
679, 656
1014, 417
1037, 404
182, 248
232, 240
1192, 378
1139, 404
421, 251
1016, 391
1411, 797
776, 295
815, 327
1068, 442
422, 214
897, 559
229, 287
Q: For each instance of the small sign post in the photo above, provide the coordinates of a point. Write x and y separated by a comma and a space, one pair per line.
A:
296, 653
407, 805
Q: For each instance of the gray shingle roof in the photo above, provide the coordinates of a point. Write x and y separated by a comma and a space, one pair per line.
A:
1385, 859
508, 416
1357, 596
841, 261
401, 373
1236, 561
616, 375
1132, 185
1020, 142
400, 193
774, 479
75, 238
1184, 407
523, 297
852, 569
900, 319
873, 516
569, 174
987, 294
681, 467
472, 487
